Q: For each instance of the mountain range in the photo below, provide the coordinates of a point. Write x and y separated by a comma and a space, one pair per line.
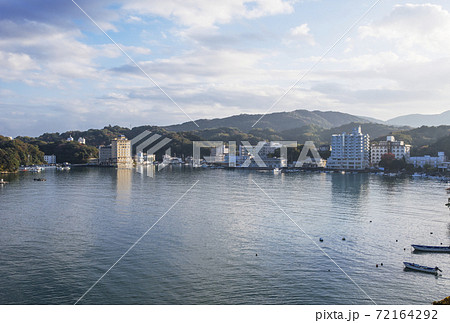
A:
282, 121
278, 121
418, 120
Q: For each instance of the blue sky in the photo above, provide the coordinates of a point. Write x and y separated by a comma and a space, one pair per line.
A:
59, 72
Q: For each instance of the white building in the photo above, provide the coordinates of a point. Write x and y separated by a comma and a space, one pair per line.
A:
350, 151
218, 153
142, 158
70, 138
267, 149
435, 162
390, 146
50, 159
82, 141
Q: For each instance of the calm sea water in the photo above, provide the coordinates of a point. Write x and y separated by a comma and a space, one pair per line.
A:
225, 242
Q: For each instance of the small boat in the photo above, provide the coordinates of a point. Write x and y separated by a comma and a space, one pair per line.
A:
3, 182
276, 171
424, 269
40, 179
430, 248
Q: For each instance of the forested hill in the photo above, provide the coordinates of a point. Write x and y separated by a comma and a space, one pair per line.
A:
278, 121
14, 153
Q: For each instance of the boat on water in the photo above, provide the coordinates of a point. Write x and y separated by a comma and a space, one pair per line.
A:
430, 248
424, 269
3, 182
276, 171
40, 179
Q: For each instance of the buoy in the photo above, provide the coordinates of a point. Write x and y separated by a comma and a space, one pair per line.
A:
329, 270
256, 255
396, 240
321, 240
343, 239
376, 265
431, 232
370, 221
381, 264
404, 248
441, 243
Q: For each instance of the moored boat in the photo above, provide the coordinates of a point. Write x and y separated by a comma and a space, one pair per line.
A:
424, 269
431, 248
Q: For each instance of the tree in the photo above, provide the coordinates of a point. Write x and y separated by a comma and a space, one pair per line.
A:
390, 163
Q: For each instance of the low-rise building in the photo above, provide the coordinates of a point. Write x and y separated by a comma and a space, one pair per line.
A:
50, 159
105, 155
70, 138
82, 141
435, 162
398, 148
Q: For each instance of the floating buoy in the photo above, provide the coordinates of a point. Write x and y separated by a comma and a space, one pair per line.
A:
329, 270
396, 240
343, 239
321, 240
404, 248
441, 243
370, 221
376, 265
381, 264
256, 255
431, 232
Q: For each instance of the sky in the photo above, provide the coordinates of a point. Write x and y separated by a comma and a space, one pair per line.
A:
190, 59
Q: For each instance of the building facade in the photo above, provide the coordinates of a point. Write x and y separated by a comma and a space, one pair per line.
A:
82, 141
121, 152
105, 155
397, 148
50, 159
436, 162
350, 151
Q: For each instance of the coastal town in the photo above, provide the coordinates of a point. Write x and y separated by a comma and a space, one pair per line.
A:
351, 151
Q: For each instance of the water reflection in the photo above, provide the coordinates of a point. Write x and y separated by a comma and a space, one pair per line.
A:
355, 185
123, 184
146, 170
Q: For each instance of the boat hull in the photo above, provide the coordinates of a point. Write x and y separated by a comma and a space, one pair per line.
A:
430, 248
424, 269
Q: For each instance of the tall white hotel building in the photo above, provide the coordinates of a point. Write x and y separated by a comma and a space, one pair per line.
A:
350, 151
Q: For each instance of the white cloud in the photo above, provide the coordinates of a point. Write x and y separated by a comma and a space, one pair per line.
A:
421, 28
300, 34
207, 13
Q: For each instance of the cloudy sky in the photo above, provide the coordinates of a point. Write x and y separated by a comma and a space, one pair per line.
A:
59, 72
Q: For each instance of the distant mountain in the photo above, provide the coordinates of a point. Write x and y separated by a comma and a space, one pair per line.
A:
420, 137
418, 120
278, 121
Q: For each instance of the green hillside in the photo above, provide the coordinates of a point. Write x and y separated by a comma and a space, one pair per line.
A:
14, 153
279, 121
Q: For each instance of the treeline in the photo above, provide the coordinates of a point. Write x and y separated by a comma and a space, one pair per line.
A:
14, 153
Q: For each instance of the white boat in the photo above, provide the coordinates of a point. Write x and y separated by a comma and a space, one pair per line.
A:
424, 269
276, 171
430, 248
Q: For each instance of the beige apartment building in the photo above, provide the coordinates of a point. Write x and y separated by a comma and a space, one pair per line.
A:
121, 152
